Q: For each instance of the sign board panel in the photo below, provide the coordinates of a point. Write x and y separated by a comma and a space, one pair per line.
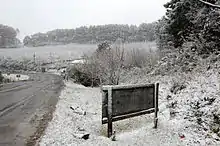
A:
121, 102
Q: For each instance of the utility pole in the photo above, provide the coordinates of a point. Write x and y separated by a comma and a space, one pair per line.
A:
34, 56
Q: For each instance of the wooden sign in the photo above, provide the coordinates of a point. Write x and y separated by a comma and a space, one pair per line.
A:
121, 102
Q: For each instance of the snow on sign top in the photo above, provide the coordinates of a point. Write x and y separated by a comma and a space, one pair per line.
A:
126, 86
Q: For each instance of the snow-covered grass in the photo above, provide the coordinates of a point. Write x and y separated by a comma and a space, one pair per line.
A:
14, 77
193, 106
173, 130
135, 131
48, 53
63, 52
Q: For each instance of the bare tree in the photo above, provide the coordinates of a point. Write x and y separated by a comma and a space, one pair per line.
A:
110, 63
210, 4
106, 64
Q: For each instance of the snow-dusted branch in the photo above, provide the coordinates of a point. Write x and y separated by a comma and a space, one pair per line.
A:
210, 4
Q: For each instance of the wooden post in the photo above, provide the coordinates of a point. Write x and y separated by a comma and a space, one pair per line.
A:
34, 56
92, 79
109, 111
156, 104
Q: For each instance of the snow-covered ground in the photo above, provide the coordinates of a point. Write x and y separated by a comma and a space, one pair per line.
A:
175, 129
14, 77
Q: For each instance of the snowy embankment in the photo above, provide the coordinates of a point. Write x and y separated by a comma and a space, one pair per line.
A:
176, 125
67, 123
16, 77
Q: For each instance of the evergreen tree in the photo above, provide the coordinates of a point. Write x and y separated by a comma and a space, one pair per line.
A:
194, 21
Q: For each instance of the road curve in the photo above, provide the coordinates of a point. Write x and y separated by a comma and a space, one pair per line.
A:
26, 107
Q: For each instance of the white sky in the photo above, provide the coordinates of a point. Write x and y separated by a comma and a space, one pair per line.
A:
32, 16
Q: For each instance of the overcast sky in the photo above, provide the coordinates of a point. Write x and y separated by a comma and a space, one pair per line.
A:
32, 16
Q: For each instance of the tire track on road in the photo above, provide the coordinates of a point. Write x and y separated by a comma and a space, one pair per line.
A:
19, 87
36, 97
13, 106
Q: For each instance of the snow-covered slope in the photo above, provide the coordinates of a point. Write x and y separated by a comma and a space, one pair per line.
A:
185, 117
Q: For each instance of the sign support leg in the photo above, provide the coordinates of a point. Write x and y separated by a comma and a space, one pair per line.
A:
109, 112
156, 104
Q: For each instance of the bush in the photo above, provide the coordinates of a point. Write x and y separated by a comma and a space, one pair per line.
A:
9, 64
82, 77
108, 63
177, 87
104, 65
1, 77
179, 82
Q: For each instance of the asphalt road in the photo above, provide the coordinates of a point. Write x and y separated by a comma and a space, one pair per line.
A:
26, 107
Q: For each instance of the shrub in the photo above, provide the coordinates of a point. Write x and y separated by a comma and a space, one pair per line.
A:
9, 64
83, 77
1, 77
177, 87
178, 83
106, 65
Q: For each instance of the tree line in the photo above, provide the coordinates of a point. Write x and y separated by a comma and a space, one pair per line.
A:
94, 34
8, 37
186, 21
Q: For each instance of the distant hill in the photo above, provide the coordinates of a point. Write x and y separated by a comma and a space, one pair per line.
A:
8, 37
94, 34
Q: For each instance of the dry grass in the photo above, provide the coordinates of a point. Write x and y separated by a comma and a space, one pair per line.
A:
62, 52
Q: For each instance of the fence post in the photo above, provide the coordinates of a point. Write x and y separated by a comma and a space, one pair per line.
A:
109, 111
156, 104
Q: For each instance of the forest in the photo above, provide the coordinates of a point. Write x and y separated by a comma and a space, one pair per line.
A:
94, 35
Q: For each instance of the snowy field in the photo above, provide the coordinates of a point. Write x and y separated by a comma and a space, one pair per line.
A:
178, 130
69, 51
63, 52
